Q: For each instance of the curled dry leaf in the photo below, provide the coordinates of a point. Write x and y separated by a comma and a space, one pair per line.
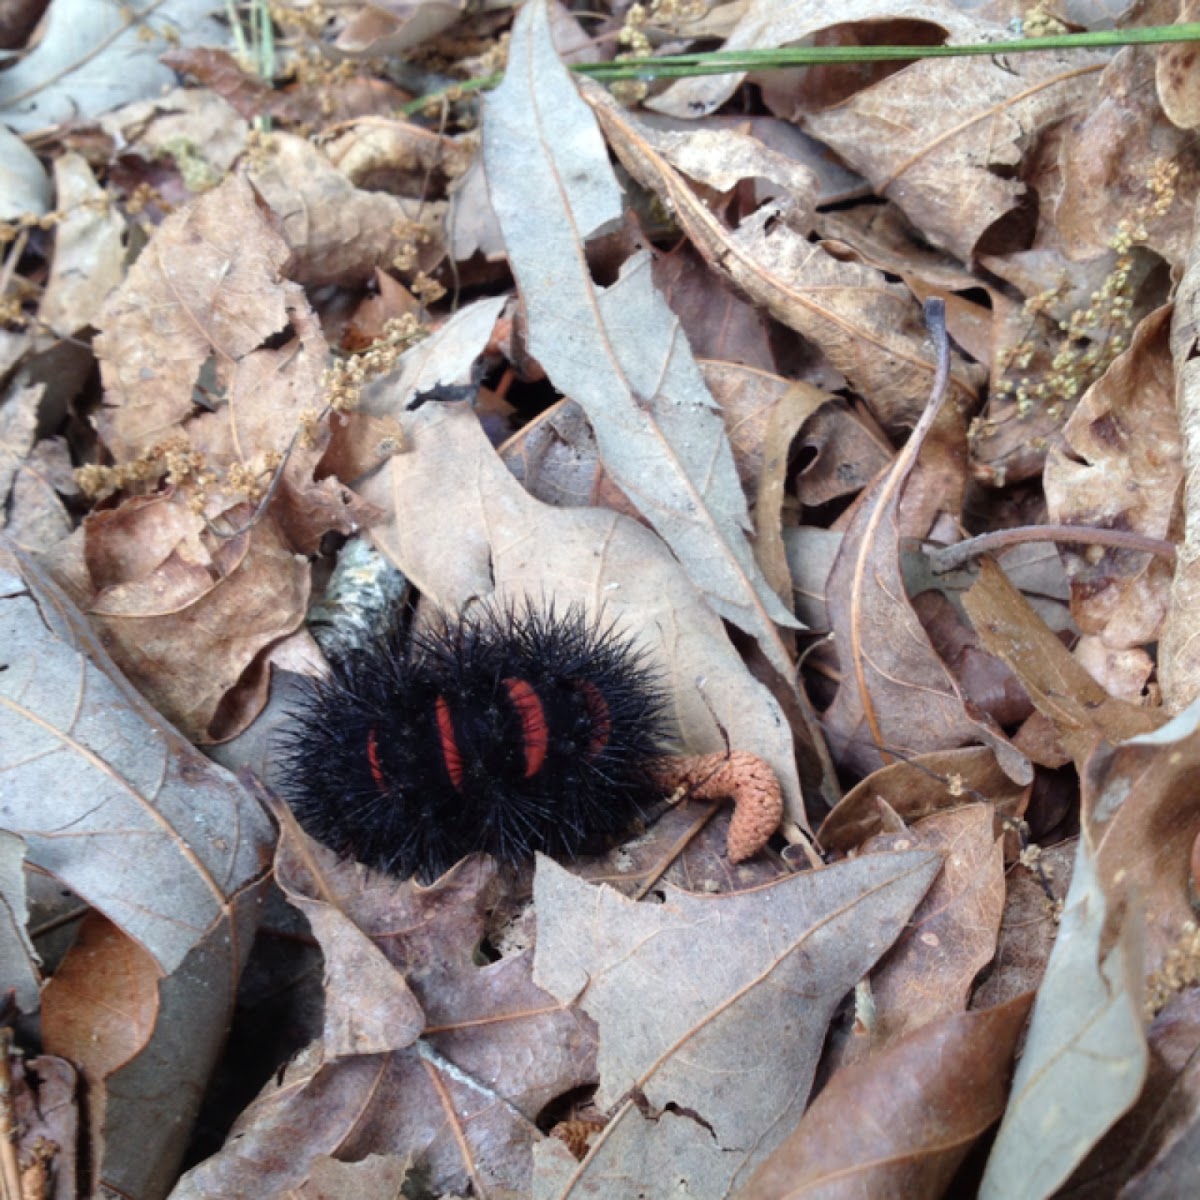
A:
618, 351
916, 788
1082, 712
941, 1087
729, 1045
1177, 75
766, 24
1121, 468
870, 329
400, 154
186, 630
895, 692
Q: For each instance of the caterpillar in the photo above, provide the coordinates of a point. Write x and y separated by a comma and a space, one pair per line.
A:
509, 730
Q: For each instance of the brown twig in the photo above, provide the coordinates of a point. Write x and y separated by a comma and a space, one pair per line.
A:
949, 558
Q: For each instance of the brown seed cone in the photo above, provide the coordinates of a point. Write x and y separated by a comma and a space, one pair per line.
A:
738, 776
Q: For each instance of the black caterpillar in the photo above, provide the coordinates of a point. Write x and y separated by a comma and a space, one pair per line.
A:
507, 731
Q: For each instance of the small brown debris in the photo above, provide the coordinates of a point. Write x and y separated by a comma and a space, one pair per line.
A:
738, 776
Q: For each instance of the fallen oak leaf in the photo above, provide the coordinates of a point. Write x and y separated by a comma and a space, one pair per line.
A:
730, 1045
941, 1086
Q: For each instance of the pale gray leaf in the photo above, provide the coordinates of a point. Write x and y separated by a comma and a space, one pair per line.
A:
1085, 1058
109, 798
619, 350
741, 987
18, 960
97, 54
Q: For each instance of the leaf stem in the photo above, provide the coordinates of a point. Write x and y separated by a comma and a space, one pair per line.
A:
949, 558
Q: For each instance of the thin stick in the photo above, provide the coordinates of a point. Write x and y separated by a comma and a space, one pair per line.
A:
10, 1171
949, 558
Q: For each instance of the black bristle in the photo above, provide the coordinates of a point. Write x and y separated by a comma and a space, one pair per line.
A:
508, 731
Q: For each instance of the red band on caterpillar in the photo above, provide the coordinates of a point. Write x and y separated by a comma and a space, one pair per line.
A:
373, 759
535, 736
450, 754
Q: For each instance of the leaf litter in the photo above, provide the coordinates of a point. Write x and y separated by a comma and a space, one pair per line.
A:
656, 350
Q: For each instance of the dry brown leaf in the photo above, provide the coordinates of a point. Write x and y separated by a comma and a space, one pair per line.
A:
99, 1011
870, 329
917, 788
1112, 155
941, 1087
729, 1045
1083, 713
207, 295
89, 252
208, 286
340, 234
945, 138
1121, 469
387, 27
369, 1008
895, 692
930, 970
1139, 808
45, 1106
186, 630
719, 324
403, 157
1176, 74
1029, 926
477, 1053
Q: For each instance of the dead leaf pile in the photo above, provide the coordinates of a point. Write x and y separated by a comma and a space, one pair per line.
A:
296, 331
